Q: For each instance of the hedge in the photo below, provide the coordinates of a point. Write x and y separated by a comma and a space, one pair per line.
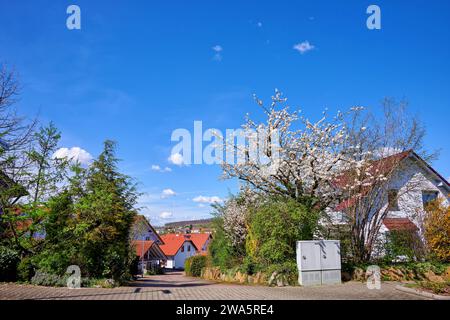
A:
193, 266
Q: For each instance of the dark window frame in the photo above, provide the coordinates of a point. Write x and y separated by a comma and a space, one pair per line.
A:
393, 200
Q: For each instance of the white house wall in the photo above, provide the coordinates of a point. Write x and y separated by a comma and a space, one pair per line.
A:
181, 257
177, 261
411, 181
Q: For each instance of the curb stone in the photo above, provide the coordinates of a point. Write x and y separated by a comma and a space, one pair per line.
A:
422, 293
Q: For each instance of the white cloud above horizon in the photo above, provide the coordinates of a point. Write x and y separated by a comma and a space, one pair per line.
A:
165, 215
157, 168
167, 193
205, 199
303, 47
176, 159
75, 154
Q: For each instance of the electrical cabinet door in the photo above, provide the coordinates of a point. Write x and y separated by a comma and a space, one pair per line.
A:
330, 255
308, 255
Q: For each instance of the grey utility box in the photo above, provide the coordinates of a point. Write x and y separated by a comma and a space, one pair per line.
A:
318, 262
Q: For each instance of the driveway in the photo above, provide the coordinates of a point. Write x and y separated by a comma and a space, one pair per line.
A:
176, 286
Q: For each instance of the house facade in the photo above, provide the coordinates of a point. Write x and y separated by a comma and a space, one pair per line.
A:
201, 241
410, 188
177, 248
147, 245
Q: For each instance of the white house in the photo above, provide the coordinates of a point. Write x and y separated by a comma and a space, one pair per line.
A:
147, 244
177, 248
142, 230
413, 184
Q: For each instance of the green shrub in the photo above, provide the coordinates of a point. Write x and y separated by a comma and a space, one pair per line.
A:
404, 243
25, 270
277, 225
187, 265
221, 251
9, 260
52, 262
154, 270
436, 287
49, 280
249, 266
288, 269
193, 266
52, 280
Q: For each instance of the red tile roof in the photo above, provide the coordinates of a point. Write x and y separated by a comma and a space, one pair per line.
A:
381, 166
199, 239
142, 247
173, 242
399, 224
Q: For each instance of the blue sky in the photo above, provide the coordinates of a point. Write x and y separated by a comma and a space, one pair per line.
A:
137, 70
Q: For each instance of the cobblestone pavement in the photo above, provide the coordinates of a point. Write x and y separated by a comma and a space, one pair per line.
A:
176, 286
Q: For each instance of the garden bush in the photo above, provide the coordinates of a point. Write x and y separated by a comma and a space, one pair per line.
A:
277, 225
193, 266
405, 243
49, 280
437, 230
155, 270
9, 260
288, 269
221, 251
25, 270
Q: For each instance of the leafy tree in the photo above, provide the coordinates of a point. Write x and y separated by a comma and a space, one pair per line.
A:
16, 137
43, 177
437, 230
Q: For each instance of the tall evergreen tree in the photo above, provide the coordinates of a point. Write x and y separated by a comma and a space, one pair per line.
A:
105, 214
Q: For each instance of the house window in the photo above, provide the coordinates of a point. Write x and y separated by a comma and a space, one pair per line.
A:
189, 248
182, 248
147, 238
428, 196
393, 200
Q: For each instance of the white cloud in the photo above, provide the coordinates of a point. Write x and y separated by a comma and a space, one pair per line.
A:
74, 154
165, 215
217, 49
155, 167
303, 47
176, 159
167, 193
204, 199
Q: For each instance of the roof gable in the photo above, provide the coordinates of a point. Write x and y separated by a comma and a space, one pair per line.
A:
142, 219
173, 243
199, 239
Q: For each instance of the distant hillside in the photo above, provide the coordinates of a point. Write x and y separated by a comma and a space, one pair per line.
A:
194, 223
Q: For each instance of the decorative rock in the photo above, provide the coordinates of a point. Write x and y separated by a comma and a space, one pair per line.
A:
359, 274
345, 276
273, 278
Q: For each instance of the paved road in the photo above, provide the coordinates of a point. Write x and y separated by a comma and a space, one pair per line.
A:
176, 286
